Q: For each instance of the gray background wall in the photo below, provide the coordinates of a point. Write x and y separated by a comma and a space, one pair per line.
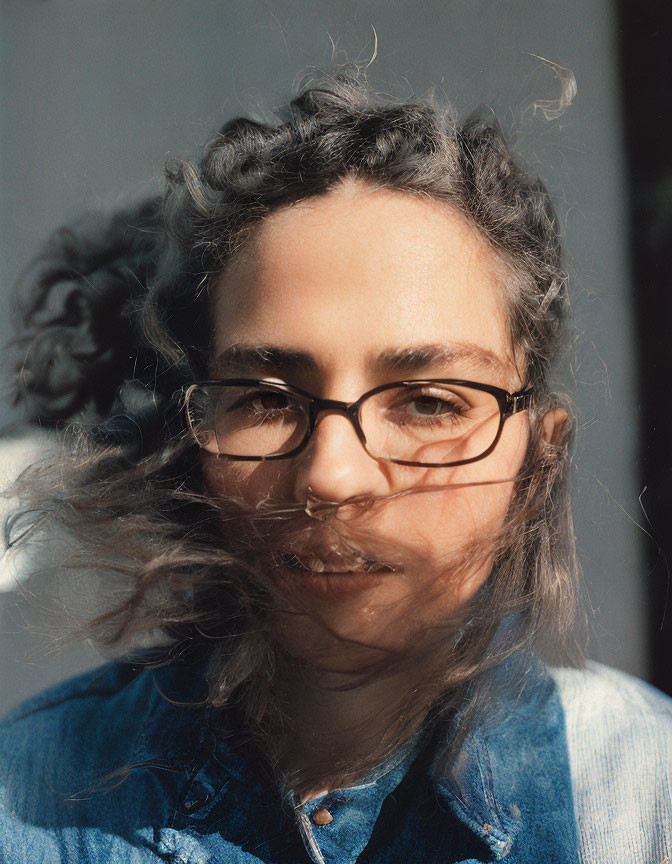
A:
95, 95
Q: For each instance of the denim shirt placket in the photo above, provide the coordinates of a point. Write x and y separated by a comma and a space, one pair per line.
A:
353, 813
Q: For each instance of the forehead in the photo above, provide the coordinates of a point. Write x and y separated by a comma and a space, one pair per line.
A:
361, 271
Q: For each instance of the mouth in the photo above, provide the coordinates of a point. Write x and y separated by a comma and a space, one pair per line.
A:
353, 564
334, 576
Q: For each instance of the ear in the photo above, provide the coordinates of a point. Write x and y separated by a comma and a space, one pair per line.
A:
553, 425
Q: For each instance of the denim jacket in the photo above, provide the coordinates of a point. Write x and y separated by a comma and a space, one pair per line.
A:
105, 768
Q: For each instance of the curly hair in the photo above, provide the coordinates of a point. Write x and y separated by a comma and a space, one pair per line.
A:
76, 339
131, 481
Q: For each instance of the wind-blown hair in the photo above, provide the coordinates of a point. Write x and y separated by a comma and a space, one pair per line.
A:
131, 481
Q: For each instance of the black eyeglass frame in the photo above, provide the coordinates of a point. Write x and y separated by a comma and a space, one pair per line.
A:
509, 404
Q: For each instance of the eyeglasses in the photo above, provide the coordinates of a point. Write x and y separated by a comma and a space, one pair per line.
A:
434, 423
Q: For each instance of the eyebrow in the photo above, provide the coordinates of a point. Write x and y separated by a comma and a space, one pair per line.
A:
263, 358
417, 358
272, 359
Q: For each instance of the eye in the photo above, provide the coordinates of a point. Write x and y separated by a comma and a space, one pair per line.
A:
428, 403
268, 400
432, 406
256, 406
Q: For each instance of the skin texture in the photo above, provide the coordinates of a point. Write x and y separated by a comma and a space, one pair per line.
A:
344, 277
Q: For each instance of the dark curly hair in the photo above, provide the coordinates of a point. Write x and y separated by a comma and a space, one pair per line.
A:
135, 291
76, 340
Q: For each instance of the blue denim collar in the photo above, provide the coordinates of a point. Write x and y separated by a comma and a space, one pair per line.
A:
511, 780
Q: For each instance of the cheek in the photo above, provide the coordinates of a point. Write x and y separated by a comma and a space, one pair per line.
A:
251, 481
437, 526
460, 508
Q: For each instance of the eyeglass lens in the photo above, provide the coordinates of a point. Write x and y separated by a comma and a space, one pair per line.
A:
429, 424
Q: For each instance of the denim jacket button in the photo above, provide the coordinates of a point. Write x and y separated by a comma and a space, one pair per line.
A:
322, 817
193, 804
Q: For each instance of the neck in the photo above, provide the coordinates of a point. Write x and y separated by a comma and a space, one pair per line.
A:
336, 726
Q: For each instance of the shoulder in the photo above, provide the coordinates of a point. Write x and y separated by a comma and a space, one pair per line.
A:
619, 744
103, 682
599, 690
59, 738
84, 752
615, 723
111, 713
127, 693
611, 709
68, 720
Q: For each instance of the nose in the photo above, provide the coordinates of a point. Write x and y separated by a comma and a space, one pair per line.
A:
335, 465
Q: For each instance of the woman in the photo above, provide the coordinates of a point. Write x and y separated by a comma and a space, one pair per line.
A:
328, 510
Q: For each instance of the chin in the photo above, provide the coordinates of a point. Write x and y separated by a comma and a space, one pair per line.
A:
346, 622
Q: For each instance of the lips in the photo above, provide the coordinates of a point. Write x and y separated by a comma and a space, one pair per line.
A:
332, 576
334, 565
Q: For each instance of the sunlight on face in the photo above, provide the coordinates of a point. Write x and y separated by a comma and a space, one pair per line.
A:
348, 278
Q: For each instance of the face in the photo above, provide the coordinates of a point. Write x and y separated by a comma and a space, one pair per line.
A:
352, 281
